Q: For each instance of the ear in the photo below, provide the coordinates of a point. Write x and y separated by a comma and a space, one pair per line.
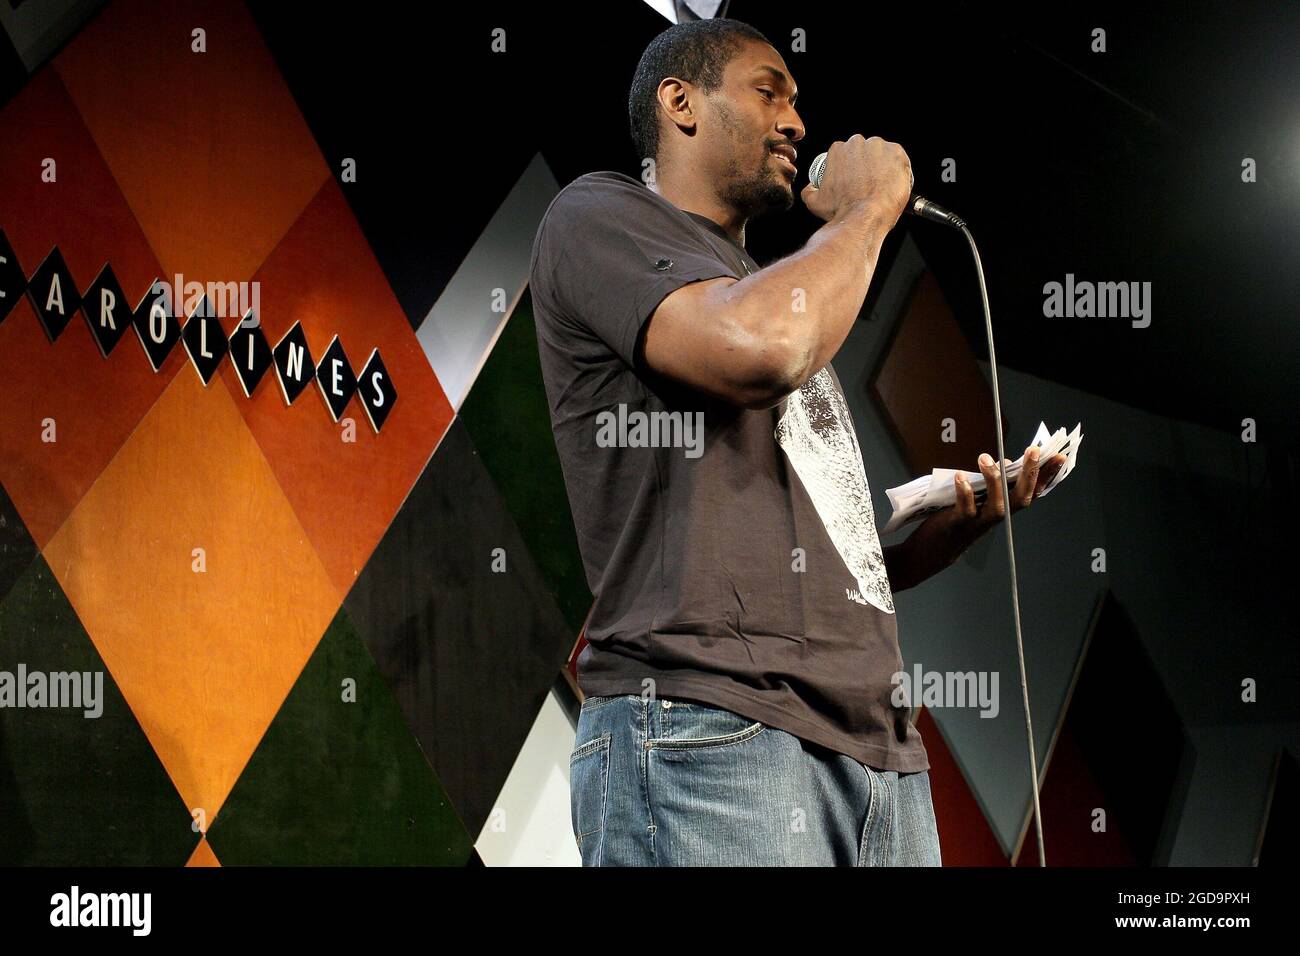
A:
675, 100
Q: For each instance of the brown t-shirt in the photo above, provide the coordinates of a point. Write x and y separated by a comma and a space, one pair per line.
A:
732, 553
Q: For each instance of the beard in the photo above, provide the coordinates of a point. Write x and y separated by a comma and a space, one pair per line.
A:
752, 190
756, 191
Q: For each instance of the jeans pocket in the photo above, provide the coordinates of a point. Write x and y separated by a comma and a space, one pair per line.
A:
686, 725
591, 702
588, 794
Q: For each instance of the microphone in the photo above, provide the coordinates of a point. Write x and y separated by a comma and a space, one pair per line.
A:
917, 205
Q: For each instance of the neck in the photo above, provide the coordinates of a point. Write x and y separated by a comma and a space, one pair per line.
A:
692, 195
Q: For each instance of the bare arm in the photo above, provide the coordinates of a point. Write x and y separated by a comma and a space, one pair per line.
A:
742, 340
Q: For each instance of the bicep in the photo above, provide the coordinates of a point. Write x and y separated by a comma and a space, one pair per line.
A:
695, 337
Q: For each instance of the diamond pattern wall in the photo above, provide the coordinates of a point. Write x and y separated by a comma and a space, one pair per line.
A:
77, 790
190, 535
200, 590
85, 215
309, 649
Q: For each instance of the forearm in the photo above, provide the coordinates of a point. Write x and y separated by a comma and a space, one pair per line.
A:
921, 556
898, 568
797, 334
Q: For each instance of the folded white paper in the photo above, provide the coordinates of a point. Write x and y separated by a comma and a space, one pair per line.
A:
933, 492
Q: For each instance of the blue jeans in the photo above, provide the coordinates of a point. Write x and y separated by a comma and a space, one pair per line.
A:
671, 782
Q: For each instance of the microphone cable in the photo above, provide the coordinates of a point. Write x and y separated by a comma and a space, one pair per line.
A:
922, 207
1011, 548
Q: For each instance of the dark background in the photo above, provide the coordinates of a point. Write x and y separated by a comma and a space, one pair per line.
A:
1115, 166
1122, 166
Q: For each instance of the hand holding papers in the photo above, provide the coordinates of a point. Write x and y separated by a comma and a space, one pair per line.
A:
933, 492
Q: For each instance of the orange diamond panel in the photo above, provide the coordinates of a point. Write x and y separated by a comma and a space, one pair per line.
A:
203, 855
92, 402
324, 275
204, 645
208, 147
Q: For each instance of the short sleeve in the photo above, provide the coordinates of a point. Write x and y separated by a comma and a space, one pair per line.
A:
608, 251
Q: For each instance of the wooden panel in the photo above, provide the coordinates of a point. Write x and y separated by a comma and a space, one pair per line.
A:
208, 148
345, 493
93, 402
470, 652
204, 658
929, 374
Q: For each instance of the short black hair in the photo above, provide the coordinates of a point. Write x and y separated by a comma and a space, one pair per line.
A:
697, 51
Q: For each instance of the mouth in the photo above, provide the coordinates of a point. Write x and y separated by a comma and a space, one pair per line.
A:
786, 156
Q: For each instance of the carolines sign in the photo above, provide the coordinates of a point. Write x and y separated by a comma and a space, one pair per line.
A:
158, 327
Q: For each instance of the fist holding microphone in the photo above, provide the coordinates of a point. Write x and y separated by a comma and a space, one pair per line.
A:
872, 171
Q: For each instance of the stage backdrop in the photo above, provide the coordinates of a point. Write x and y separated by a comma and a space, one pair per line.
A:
321, 642
333, 635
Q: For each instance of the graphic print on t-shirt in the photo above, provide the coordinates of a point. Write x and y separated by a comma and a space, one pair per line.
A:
817, 435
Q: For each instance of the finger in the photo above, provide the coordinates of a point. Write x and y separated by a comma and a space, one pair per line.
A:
965, 497
1023, 495
1048, 472
993, 509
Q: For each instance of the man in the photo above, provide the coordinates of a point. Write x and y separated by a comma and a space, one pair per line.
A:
741, 645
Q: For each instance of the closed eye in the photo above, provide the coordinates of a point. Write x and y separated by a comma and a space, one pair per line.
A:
767, 94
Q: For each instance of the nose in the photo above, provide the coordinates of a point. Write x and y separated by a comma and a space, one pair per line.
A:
790, 125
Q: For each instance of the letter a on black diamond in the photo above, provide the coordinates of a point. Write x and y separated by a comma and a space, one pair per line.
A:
54, 294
